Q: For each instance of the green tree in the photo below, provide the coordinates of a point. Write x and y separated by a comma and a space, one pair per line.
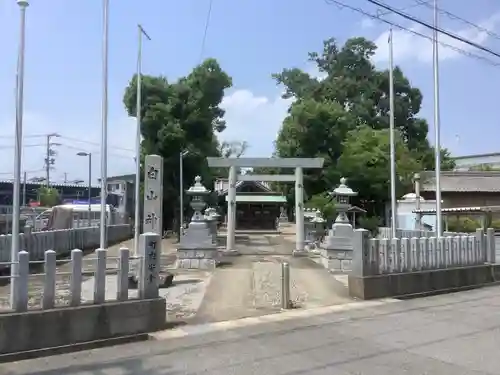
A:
351, 94
366, 160
48, 197
178, 116
325, 203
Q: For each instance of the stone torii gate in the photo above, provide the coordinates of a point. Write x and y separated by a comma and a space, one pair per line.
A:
297, 163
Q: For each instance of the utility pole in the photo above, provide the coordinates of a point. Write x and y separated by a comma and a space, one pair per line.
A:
24, 189
437, 125
394, 217
49, 157
65, 177
137, 187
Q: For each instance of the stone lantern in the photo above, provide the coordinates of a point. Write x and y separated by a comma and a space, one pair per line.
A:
319, 226
342, 195
198, 194
336, 250
197, 248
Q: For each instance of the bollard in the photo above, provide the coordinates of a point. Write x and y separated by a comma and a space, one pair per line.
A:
285, 285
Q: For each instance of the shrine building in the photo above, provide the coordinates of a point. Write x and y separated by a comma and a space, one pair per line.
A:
257, 206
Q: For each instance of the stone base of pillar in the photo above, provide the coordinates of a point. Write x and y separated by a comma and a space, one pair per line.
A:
197, 259
229, 253
300, 253
336, 260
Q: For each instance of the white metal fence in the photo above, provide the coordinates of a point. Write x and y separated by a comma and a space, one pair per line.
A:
62, 241
384, 255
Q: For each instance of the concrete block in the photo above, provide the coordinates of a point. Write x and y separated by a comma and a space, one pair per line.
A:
43, 329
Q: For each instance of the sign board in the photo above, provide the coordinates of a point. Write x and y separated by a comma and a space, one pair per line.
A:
153, 194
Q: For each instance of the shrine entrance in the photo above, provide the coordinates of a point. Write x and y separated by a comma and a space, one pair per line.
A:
296, 163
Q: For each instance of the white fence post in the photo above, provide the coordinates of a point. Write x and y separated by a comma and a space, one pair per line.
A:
361, 262
490, 246
150, 245
100, 276
49, 285
122, 276
76, 277
23, 270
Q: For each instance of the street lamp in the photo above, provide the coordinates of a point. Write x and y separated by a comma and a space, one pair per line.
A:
16, 201
137, 217
181, 190
89, 154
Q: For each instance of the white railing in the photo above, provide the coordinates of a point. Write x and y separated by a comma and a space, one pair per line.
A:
147, 273
399, 255
62, 241
385, 232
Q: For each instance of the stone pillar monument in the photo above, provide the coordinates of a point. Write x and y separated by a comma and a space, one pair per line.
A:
196, 249
153, 194
336, 250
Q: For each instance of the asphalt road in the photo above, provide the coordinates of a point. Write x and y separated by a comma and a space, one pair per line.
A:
450, 334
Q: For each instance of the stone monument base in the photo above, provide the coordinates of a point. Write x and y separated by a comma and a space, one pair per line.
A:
336, 260
197, 259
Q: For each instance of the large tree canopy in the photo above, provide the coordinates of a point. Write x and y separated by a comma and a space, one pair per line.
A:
181, 115
343, 116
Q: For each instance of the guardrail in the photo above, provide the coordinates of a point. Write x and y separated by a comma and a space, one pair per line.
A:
62, 241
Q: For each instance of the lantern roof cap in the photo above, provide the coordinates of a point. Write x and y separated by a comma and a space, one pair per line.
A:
343, 189
197, 188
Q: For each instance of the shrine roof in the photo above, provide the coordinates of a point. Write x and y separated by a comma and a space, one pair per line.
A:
259, 198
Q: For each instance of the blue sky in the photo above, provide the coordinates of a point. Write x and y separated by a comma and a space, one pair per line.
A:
251, 39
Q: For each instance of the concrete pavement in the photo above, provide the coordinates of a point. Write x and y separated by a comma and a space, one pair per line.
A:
449, 334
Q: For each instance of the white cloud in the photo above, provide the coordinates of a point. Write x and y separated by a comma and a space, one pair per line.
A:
367, 23
408, 46
254, 119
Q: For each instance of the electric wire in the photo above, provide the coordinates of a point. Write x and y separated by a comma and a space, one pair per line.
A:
461, 51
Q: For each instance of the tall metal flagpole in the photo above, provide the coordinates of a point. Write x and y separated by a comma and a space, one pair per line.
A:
16, 194
394, 223
437, 130
104, 130
137, 218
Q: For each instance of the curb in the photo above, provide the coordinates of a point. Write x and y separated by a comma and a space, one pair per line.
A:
200, 329
57, 350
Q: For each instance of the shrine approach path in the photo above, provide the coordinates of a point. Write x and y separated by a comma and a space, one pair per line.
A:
249, 285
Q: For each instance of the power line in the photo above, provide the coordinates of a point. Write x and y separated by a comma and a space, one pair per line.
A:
205, 32
400, 27
431, 27
96, 144
94, 152
4, 147
453, 16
